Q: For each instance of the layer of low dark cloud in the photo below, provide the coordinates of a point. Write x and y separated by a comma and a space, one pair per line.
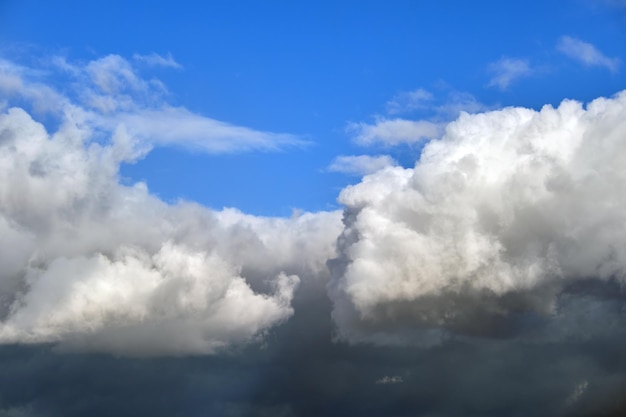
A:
300, 371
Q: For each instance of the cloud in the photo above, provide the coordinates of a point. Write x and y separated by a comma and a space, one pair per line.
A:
501, 253
360, 164
391, 132
586, 53
90, 264
457, 102
498, 220
507, 70
109, 95
441, 107
389, 380
155, 59
432, 112
409, 101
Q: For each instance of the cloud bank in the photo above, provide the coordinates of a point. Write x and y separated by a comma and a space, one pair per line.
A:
500, 254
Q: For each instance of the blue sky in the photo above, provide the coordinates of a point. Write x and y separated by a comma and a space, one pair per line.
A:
322, 73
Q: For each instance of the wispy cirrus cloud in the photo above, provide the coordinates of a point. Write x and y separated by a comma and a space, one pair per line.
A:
157, 60
110, 94
507, 70
586, 53
391, 132
407, 101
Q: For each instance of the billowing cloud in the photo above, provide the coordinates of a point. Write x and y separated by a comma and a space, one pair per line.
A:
501, 254
507, 70
586, 53
90, 264
501, 217
360, 164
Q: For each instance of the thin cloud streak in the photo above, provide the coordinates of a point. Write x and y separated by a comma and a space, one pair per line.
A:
392, 132
586, 53
360, 164
155, 59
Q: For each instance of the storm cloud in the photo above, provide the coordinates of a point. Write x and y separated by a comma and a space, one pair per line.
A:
487, 280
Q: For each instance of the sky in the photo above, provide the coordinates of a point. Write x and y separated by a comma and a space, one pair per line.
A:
241, 208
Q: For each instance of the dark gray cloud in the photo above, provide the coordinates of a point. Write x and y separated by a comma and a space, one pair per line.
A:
300, 371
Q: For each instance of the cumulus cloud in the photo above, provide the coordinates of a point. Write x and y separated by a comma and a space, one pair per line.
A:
497, 220
586, 53
360, 164
510, 225
90, 264
507, 70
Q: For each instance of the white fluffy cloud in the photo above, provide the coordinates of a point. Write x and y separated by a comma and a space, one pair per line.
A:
497, 218
90, 264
